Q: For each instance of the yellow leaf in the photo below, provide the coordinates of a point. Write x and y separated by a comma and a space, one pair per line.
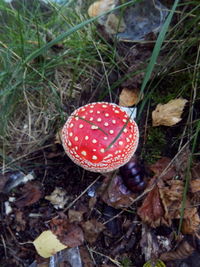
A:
47, 244
168, 114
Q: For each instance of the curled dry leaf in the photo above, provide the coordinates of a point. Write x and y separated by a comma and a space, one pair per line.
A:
58, 198
47, 244
114, 193
163, 203
171, 194
31, 194
92, 229
152, 209
99, 7
172, 191
69, 234
195, 192
129, 97
195, 185
168, 114
183, 251
195, 181
191, 221
196, 171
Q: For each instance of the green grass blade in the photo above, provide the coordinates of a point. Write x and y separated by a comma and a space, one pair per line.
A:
156, 51
64, 35
187, 178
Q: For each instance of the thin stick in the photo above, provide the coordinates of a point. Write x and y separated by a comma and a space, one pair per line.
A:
4, 246
84, 191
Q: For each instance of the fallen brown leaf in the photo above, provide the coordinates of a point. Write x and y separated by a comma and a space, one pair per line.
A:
75, 216
195, 185
114, 193
196, 171
168, 114
183, 251
32, 192
69, 234
171, 194
152, 210
195, 192
191, 222
129, 97
92, 229
163, 203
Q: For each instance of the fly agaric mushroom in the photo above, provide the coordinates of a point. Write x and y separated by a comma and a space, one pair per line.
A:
100, 137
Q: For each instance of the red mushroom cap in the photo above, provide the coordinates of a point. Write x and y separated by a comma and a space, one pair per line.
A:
100, 137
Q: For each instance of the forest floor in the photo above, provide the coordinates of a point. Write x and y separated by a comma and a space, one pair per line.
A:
47, 72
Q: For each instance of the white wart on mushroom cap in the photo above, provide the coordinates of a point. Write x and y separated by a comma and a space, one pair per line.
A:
89, 133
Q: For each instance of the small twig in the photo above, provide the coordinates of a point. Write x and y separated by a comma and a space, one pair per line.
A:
84, 191
107, 257
45, 169
4, 246
91, 255
11, 233
14, 255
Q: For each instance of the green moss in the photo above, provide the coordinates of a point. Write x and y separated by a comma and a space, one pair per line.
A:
126, 262
172, 87
154, 145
